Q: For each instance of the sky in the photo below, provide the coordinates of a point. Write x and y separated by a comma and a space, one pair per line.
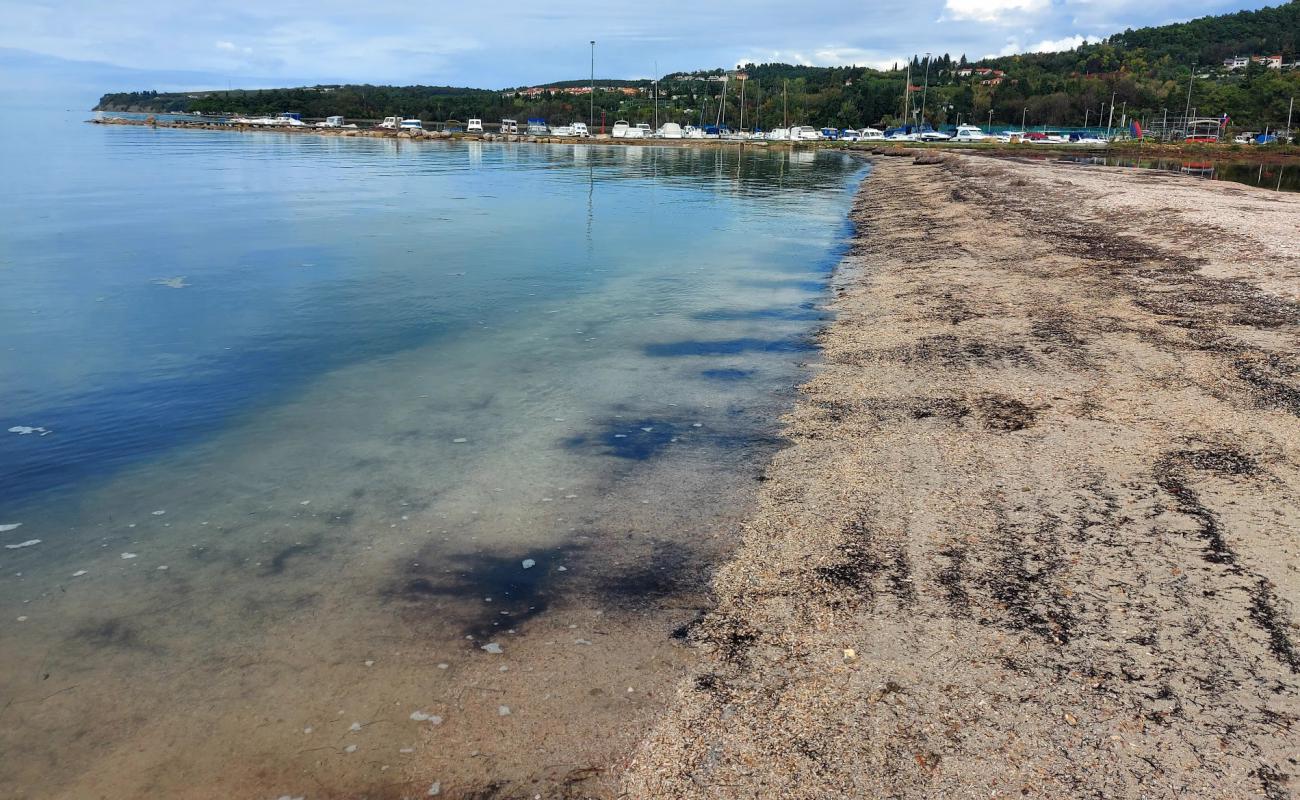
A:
87, 47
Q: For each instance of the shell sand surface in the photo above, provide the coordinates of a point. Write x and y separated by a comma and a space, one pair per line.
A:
1037, 533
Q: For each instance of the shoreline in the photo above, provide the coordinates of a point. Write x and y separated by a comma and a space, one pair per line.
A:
1036, 532
1227, 152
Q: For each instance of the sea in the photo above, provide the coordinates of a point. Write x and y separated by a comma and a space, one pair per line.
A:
349, 467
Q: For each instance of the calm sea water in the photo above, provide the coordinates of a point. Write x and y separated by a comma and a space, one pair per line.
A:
1279, 177
294, 427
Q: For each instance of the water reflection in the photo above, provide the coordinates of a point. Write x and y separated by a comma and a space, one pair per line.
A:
1279, 177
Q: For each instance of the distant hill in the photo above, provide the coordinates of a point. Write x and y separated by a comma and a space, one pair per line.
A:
1146, 71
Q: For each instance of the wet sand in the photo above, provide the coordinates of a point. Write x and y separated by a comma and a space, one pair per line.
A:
1036, 534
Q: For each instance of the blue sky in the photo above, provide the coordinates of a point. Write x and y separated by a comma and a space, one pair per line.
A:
90, 46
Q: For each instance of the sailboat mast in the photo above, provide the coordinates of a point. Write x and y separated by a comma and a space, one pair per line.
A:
785, 103
907, 94
722, 103
656, 95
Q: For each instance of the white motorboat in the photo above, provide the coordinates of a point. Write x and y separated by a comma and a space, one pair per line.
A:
870, 134
580, 130
474, 126
412, 125
970, 133
692, 132
334, 122
620, 129
561, 130
805, 133
646, 131
670, 130
779, 135
390, 123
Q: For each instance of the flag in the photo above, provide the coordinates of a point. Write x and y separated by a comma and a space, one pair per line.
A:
1223, 121
1136, 130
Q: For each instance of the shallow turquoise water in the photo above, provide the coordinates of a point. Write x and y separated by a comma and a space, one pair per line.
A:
333, 392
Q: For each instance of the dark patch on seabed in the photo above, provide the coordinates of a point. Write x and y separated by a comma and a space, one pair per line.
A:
113, 633
812, 286
632, 439
491, 592
729, 347
805, 312
485, 594
727, 374
643, 438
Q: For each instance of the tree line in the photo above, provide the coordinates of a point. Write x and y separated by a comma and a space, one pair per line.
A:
1146, 72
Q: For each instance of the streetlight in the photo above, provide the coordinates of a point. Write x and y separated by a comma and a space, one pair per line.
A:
591, 113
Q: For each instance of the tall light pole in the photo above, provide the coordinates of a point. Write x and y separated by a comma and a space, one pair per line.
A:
1023, 117
591, 114
1187, 113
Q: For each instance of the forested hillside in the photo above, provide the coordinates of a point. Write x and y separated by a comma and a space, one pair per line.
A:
1146, 71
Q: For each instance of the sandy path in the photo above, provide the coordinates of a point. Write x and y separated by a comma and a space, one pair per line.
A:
1046, 486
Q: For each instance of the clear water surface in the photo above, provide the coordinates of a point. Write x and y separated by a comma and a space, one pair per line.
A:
300, 424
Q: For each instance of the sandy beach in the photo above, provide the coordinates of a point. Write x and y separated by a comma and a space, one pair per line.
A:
1036, 533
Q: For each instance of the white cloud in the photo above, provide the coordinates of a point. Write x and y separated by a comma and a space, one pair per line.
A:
991, 10
1013, 45
825, 56
1060, 45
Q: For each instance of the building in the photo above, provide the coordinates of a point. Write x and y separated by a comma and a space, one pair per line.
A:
1241, 62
